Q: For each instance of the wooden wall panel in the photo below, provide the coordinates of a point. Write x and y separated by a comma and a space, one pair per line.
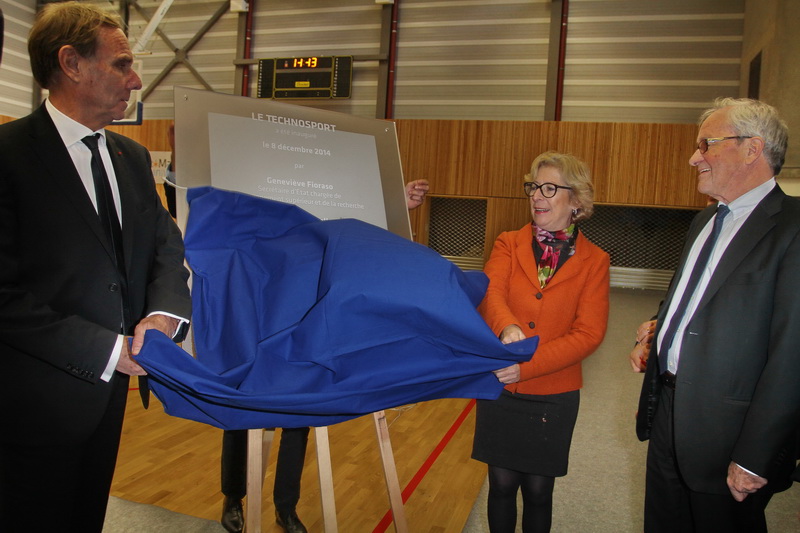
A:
631, 161
632, 164
650, 166
678, 186
419, 222
442, 152
643, 165
151, 133
509, 151
504, 214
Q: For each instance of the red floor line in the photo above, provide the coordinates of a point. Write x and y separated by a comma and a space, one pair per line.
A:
383, 525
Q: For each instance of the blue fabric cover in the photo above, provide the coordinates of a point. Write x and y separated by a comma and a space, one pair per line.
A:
302, 322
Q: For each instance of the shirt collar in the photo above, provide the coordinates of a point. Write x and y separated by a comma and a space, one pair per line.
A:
71, 131
749, 200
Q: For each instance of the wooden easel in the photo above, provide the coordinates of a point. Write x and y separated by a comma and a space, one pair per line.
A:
259, 443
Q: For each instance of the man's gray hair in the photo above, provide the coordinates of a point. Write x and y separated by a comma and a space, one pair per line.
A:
753, 118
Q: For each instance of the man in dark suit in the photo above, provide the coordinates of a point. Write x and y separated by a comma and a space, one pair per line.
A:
73, 288
720, 401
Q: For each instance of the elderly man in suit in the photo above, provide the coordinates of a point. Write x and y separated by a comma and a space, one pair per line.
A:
89, 260
720, 401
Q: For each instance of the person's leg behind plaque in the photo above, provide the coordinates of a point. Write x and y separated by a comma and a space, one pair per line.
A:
288, 473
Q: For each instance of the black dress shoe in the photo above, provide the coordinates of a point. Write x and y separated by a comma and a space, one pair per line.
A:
290, 522
232, 515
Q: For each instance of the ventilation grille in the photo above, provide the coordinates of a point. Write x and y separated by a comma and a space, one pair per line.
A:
457, 230
644, 243
640, 278
638, 237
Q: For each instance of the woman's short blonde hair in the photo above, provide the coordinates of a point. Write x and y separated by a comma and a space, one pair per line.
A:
575, 173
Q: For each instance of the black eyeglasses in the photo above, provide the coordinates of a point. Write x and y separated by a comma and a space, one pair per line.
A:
705, 143
548, 189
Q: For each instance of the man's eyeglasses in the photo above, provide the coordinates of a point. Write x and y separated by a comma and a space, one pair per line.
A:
548, 189
705, 143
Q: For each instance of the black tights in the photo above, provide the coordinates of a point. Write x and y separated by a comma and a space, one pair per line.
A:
537, 501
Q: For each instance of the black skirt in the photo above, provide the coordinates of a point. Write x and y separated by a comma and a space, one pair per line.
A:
527, 433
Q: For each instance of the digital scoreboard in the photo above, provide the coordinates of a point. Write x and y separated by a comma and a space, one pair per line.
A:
305, 77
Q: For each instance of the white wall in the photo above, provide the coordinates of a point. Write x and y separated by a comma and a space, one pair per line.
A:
16, 80
654, 61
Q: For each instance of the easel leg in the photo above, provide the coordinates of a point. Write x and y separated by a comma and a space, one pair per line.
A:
390, 473
259, 443
326, 479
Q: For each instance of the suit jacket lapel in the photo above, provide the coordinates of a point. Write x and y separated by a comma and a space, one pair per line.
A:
525, 255
58, 168
758, 224
126, 197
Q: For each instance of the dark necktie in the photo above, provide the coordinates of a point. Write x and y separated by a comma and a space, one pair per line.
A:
105, 202
691, 286
110, 222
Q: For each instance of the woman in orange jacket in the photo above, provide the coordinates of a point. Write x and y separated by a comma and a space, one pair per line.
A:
545, 279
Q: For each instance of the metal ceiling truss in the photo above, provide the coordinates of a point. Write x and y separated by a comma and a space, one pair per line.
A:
181, 54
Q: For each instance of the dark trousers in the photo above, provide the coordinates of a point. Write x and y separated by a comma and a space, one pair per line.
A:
64, 488
169, 194
671, 507
288, 471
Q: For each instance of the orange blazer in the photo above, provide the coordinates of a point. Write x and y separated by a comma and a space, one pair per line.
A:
569, 315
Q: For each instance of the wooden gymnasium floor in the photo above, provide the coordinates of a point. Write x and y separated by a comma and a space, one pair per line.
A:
174, 464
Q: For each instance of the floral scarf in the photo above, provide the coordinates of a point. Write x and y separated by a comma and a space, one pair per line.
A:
552, 245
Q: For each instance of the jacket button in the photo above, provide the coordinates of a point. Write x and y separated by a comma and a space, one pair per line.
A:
113, 287
538, 295
531, 325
